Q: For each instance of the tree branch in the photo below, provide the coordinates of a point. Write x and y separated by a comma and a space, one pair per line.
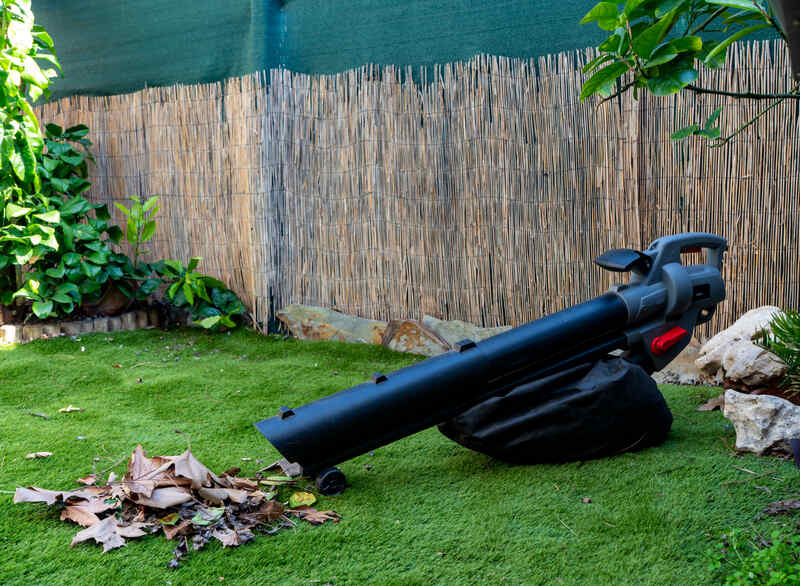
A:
619, 92
793, 95
725, 140
707, 21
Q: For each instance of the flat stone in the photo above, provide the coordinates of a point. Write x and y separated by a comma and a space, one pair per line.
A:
308, 322
411, 336
763, 423
453, 330
100, 324
114, 324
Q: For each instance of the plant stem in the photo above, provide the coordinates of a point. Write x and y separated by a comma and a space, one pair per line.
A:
619, 92
747, 95
707, 21
723, 141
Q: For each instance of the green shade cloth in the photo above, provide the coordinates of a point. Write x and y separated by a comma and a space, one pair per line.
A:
121, 46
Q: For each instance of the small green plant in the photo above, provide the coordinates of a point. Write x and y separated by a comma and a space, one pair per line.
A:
140, 227
784, 342
743, 559
210, 303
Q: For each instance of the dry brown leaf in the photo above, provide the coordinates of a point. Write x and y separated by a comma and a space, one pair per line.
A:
89, 492
291, 469
90, 479
104, 532
230, 538
33, 494
172, 531
268, 512
81, 515
187, 466
116, 366
219, 495
242, 483
33, 455
779, 507
70, 409
141, 467
711, 404
314, 516
132, 530
163, 498
142, 487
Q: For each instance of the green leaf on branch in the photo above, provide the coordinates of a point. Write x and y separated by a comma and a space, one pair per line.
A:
713, 118
188, 293
711, 133
75, 206
673, 77
606, 15
89, 269
76, 132
742, 4
645, 43
148, 230
15, 211
114, 234
51, 217
42, 309
101, 212
53, 130
602, 77
148, 205
732, 39
56, 272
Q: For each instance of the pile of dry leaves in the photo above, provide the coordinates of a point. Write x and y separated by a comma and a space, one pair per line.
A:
180, 497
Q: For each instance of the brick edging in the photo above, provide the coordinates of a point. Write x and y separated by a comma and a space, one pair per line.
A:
131, 320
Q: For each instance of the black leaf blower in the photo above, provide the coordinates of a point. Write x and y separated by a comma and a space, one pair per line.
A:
650, 319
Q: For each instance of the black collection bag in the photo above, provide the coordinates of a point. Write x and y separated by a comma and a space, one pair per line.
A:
589, 411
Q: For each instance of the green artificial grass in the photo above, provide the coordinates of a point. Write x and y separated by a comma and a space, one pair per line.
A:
428, 510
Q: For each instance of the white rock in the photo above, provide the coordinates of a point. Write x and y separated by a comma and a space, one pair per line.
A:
744, 361
745, 328
732, 354
763, 423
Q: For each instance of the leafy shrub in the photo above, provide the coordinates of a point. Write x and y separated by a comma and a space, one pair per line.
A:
210, 303
784, 342
742, 559
56, 247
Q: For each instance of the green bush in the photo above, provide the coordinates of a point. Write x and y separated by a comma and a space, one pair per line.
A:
743, 559
56, 248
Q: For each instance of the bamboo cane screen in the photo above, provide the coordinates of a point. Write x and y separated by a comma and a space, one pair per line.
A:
481, 193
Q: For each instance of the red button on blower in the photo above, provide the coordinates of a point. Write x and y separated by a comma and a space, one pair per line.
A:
667, 340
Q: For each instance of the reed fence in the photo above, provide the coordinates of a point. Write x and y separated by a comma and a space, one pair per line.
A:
480, 193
